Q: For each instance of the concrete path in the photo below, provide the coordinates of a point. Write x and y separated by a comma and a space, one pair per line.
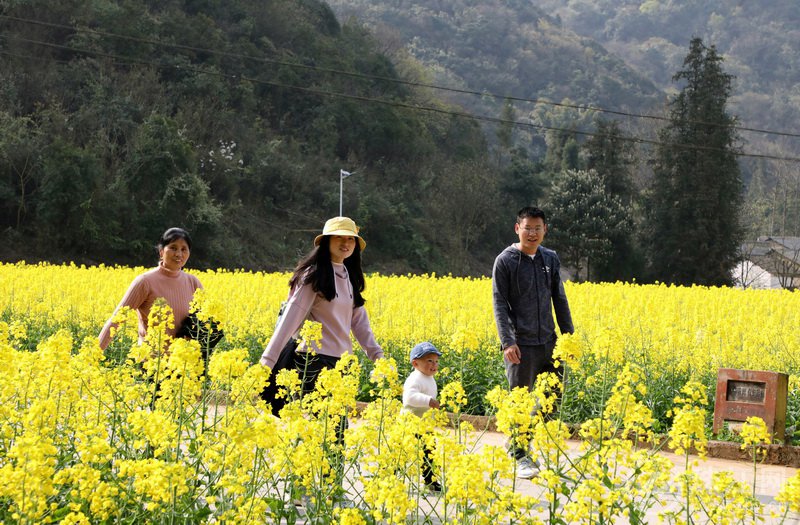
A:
769, 478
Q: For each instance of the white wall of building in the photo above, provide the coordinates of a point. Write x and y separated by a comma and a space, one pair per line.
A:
747, 274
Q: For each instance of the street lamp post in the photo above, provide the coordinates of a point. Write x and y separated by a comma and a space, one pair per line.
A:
342, 175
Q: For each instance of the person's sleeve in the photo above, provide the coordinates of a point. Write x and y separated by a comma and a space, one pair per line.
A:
560, 303
502, 310
295, 312
413, 395
363, 332
133, 299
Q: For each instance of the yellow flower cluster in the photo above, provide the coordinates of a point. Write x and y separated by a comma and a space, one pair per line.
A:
789, 495
689, 331
386, 380
453, 397
89, 443
515, 413
754, 432
92, 437
688, 427
311, 334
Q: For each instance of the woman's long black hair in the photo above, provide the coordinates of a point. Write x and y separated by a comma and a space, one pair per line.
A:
316, 269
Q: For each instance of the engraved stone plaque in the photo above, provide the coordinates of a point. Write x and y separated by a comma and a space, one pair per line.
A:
748, 393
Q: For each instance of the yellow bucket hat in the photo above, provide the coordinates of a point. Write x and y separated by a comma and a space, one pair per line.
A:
341, 226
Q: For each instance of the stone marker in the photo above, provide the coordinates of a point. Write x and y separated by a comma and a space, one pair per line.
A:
752, 393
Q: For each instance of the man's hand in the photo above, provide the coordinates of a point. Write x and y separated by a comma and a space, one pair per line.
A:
512, 354
433, 403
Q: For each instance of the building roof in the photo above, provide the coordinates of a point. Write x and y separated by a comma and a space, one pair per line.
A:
778, 255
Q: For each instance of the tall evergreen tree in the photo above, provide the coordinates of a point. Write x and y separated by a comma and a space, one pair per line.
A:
694, 228
612, 157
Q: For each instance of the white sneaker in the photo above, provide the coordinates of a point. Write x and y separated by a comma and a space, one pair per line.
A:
526, 468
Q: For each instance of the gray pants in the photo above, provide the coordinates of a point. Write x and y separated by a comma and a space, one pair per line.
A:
534, 360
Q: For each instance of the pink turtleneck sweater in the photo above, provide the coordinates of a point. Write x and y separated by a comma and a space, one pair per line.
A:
338, 318
176, 287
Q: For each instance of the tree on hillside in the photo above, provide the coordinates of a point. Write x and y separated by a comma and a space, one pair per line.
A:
693, 227
523, 180
584, 218
470, 196
505, 129
773, 198
20, 142
613, 158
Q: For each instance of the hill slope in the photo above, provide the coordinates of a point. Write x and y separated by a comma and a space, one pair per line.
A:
758, 39
506, 47
232, 119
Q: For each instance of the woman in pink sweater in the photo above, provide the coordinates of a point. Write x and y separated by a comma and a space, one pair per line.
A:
167, 280
326, 287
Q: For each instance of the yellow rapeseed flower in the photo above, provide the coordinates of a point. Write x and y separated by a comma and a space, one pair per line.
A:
453, 396
311, 334
74, 454
385, 378
754, 432
515, 413
350, 517
789, 494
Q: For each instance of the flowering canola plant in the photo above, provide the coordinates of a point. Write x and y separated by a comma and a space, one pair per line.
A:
134, 434
676, 334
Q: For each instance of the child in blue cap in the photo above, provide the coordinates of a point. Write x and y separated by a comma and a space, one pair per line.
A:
419, 395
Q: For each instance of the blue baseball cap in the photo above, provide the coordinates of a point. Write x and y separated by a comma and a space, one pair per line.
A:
423, 349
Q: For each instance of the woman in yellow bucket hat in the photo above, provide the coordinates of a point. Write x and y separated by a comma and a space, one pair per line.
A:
326, 287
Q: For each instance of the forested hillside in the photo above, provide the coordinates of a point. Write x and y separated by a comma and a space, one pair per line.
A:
506, 47
759, 42
233, 119
118, 119
608, 54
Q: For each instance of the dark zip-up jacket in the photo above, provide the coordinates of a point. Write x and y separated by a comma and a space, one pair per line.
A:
523, 290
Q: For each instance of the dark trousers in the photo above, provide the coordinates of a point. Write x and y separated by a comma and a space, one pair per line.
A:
427, 459
309, 366
534, 360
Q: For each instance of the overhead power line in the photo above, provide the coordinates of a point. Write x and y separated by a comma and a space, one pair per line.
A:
393, 103
581, 107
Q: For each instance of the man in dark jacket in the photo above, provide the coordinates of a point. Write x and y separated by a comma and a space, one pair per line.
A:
526, 287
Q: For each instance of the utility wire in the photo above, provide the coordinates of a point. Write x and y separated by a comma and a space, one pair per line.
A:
398, 104
581, 107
